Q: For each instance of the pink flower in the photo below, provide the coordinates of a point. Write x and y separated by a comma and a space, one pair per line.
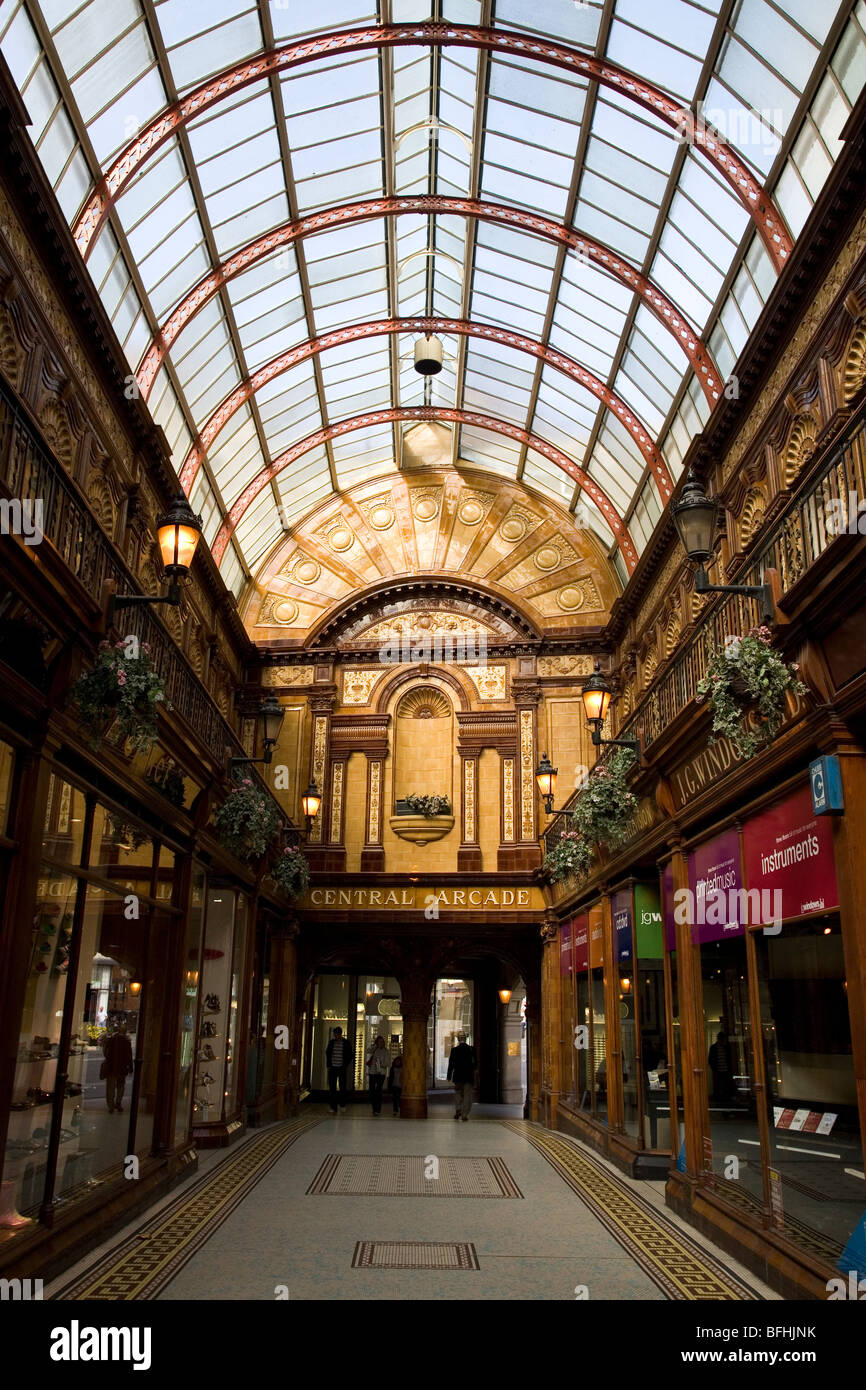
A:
121, 678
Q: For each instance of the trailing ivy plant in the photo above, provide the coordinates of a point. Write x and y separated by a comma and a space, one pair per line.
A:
292, 872
122, 685
748, 675
429, 805
247, 821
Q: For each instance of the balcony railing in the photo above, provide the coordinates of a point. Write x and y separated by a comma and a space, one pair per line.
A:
799, 538
29, 471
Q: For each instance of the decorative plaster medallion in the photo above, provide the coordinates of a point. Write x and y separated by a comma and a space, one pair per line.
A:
341, 538
306, 571
471, 510
570, 598
425, 503
547, 558
277, 611
381, 517
358, 684
513, 529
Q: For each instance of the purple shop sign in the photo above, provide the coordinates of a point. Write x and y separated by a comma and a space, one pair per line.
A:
620, 906
715, 881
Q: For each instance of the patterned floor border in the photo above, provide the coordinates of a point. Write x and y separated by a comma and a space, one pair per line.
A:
681, 1268
140, 1266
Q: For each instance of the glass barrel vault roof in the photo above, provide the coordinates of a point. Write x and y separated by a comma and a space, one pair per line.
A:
504, 190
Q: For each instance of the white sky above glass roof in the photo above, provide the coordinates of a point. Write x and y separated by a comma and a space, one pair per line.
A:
777, 78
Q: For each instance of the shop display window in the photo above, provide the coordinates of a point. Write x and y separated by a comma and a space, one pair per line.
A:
260, 1059
330, 1008
649, 1004
817, 1192
729, 1058
63, 833
597, 1060
189, 1008
25, 1163
568, 1005
451, 1013
121, 850
378, 1014
112, 993
624, 975
222, 974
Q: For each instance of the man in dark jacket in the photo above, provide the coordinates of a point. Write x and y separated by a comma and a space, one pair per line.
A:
338, 1055
117, 1066
461, 1070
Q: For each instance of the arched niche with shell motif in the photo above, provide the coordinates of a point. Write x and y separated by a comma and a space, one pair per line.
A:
424, 740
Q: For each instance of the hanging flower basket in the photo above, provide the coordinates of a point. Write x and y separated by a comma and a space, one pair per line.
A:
571, 857
247, 821
748, 677
291, 872
599, 817
122, 690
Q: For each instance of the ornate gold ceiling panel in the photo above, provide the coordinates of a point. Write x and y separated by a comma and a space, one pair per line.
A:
436, 524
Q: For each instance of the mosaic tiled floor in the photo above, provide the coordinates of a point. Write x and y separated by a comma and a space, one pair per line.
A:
414, 1254
145, 1262
246, 1228
408, 1175
678, 1265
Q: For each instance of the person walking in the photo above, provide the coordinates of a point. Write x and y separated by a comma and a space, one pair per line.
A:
338, 1056
395, 1082
117, 1050
720, 1064
461, 1070
377, 1070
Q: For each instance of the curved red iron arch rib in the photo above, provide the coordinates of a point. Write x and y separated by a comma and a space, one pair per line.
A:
433, 413
758, 203
287, 233
376, 328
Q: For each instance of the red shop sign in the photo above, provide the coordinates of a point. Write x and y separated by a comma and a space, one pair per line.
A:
565, 947
580, 942
790, 849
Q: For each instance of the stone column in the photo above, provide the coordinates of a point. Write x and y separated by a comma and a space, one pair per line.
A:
373, 853
337, 801
532, 1107
469, 852
284, 972
526, 698
415, 1008
693, 1058
551, 1016
324, 856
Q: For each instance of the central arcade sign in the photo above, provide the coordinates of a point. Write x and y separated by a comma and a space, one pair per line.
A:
420, 898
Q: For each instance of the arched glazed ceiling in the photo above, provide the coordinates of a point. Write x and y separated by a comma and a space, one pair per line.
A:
467, 547
274, 199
